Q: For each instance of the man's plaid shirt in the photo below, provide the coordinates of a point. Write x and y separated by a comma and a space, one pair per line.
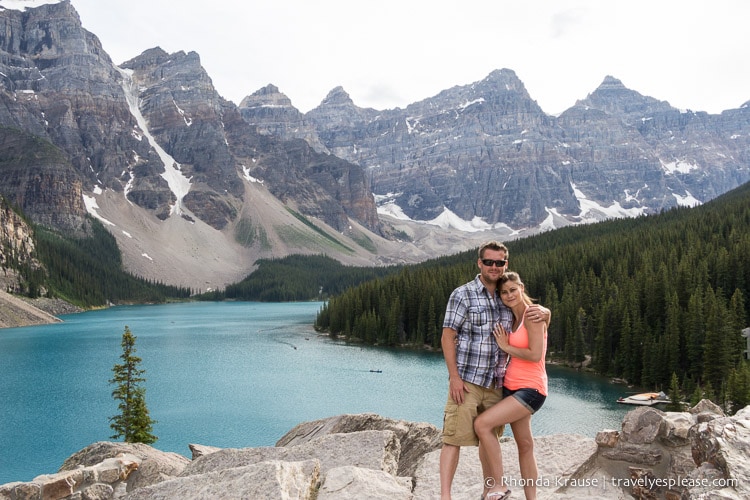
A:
472, 312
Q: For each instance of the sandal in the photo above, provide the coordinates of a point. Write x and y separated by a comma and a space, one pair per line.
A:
498, 495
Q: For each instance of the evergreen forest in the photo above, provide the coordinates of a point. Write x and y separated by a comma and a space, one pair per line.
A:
298, 278
641, 299
88, 272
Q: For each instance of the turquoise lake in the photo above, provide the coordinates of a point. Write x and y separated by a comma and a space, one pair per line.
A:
229, 374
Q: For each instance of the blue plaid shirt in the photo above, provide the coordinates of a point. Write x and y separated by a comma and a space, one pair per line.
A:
472, 312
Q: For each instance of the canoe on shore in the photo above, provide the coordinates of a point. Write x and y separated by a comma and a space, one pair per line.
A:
645, 399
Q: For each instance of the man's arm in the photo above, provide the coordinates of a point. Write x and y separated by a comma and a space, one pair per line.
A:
536, 313
455, 385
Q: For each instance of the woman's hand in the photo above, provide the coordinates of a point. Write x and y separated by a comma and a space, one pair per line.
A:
501, 336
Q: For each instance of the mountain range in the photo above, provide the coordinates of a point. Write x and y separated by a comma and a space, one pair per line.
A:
196, 188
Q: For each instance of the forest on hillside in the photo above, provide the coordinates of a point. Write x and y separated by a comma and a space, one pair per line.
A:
645, 298
88, 272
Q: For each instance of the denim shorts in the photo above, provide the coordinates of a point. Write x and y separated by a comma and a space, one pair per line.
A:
530, 398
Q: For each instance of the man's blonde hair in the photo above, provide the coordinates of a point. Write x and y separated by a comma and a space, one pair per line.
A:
492, 245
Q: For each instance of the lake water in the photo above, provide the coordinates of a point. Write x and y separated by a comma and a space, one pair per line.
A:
229, 374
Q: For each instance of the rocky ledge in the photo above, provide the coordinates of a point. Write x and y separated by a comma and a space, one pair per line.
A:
700, 453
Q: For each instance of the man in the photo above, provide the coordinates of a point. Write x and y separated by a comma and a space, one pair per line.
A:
475, 363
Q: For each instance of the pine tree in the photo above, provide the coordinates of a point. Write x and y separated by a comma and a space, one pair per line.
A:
133, 422
738, 387
697, 396
674, 394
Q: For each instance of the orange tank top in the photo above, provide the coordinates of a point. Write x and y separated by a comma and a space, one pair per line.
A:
522, 374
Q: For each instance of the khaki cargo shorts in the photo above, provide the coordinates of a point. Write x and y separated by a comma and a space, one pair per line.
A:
458, 419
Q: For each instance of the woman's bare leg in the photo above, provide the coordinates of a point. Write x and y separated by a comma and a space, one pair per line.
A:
506, 411
526, 459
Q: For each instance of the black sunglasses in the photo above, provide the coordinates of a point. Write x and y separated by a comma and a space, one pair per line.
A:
498, 263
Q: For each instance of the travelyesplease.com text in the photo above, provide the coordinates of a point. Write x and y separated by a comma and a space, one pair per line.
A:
647, 482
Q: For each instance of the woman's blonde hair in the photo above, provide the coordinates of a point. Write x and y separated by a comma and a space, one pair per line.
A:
516, 278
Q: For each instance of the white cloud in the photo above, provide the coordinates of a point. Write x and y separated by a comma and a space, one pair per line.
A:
389, 53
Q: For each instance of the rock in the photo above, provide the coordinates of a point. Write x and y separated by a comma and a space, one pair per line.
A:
642, 425
98, 491
347, 482
724, 443
692, 454
706, 410
416, 439
199, 450
379, 450
265, 480
150, 472
356, 456
607, 438
170, 464
558, 457
93, 482
677, 429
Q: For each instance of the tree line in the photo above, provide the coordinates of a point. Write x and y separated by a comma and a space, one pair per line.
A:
644, 298
297, 278
88, 271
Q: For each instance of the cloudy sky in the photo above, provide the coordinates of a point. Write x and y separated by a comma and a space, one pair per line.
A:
389, 53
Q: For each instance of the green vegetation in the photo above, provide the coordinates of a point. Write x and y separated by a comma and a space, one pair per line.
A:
246, 234
643, 297
298, 278
88, 272
133, 423
323, 234
365, 242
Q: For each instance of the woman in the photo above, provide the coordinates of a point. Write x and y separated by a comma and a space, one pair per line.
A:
524, 391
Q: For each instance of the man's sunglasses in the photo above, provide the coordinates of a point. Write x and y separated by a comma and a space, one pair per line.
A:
498, 263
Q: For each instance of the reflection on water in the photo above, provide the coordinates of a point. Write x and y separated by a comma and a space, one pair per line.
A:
229, 375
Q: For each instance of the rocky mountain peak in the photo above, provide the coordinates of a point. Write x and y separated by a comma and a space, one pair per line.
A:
273, 114
611, 82
154, 136
149, 57
615, 98
266, 96
337, 97
505, 78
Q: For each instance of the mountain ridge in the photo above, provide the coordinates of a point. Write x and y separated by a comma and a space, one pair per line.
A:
196, 188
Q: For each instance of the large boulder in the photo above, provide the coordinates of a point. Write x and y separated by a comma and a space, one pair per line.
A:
695, 454
378, 450
416, 438
265, 480
721, 448
656, 455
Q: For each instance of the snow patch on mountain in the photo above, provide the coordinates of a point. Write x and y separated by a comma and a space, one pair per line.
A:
177, 182
678, 166
93, 209
591, 211
686, 201
448, 220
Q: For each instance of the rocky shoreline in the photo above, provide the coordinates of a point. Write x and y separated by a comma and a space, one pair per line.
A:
700, 453
18, 310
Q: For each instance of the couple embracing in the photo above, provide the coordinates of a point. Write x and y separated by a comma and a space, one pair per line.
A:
494, 342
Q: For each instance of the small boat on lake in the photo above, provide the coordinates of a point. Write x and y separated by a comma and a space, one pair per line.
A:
645, 399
